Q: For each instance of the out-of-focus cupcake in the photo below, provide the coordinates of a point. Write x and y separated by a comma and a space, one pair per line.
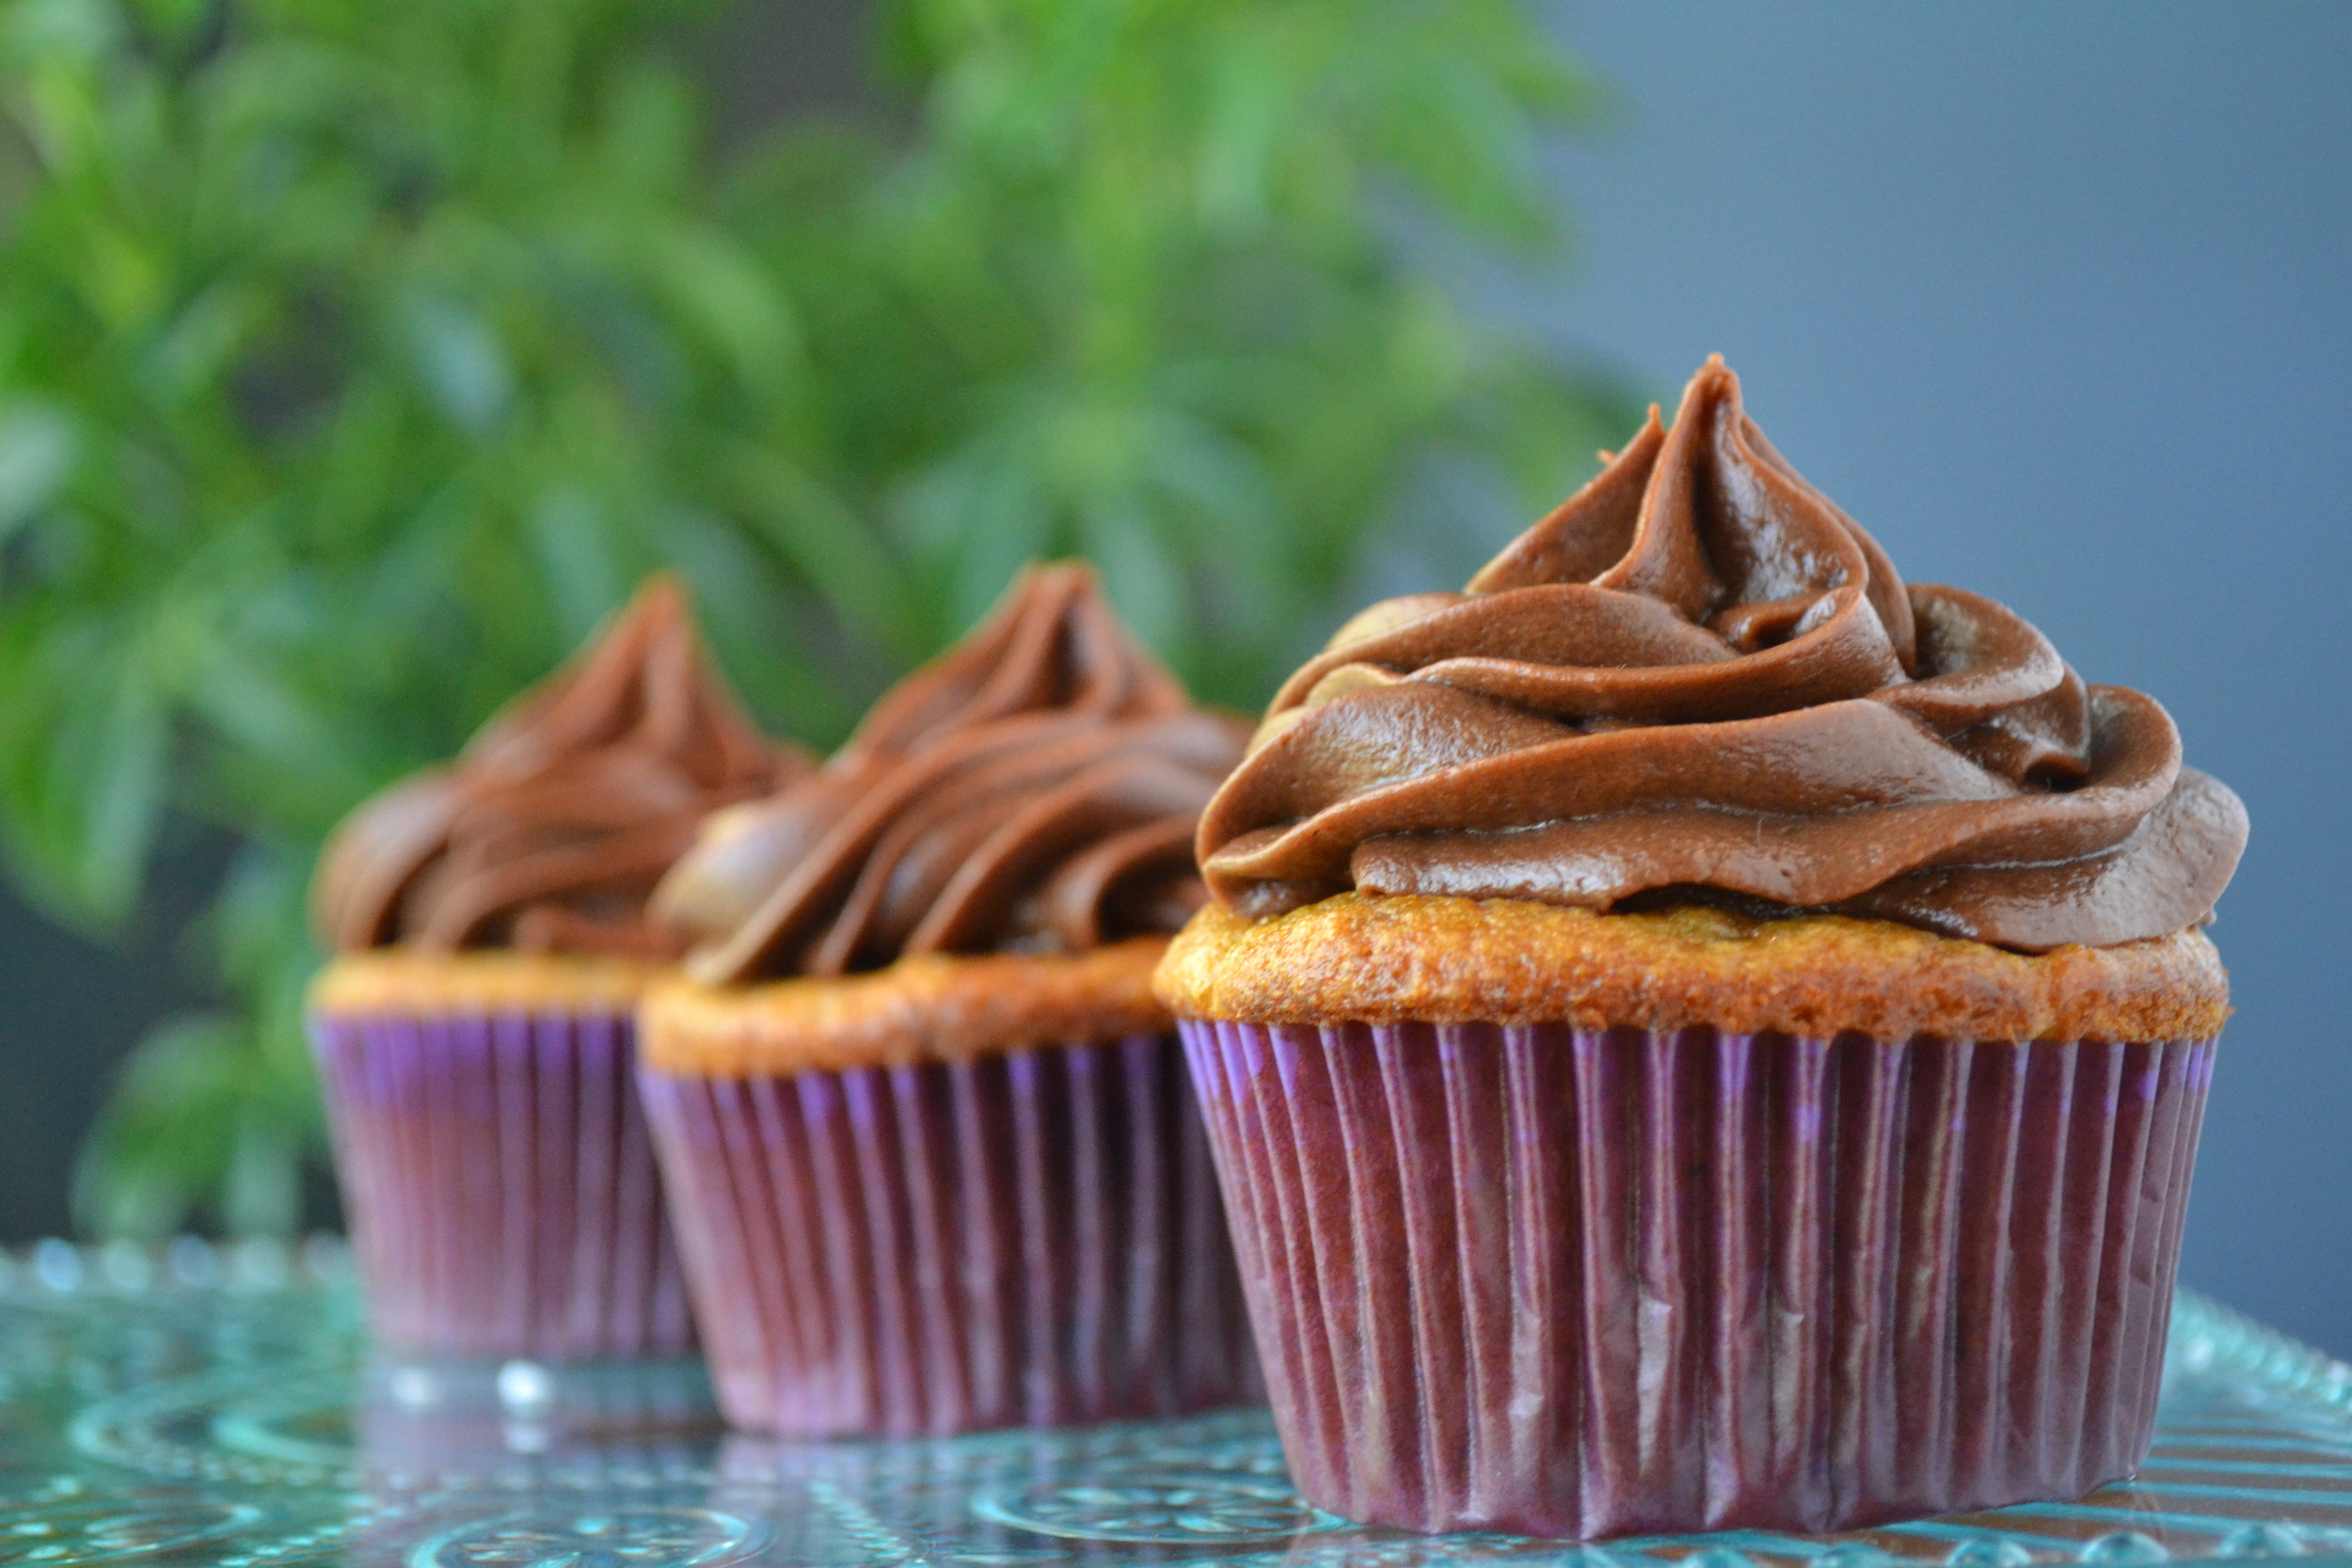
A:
1698, 1035
476, 1029
930, 1150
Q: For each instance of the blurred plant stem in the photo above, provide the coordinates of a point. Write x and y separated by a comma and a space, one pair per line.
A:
355, 358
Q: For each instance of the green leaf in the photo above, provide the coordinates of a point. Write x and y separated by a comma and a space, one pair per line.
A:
71, 29
816, 532
85, 737
1139, 576
736, 309
39, 445
463, 365
568, 529
1241, 143
200, 346
976, 516
192, 1123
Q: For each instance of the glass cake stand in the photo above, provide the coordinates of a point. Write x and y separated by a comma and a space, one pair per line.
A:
192, 1405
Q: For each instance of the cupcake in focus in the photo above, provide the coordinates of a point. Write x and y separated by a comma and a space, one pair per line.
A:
1699, 1034
474, 1030
929, 1146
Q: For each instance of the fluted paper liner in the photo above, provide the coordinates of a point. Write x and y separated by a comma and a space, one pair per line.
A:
1573, 1283
501, 1185
1033, 1238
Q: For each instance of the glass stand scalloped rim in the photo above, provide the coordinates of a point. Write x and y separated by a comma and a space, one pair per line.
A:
190, 1406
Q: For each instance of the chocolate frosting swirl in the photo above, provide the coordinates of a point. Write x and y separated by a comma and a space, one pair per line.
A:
550, 832
1034, 789
1699, 681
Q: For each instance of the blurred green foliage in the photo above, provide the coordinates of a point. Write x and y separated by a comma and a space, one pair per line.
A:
355, 359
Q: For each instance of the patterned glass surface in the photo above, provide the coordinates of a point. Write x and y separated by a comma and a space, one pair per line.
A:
196, 1405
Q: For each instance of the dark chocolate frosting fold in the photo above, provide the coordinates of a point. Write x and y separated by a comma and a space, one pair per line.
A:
1034, 789
1698, 680
550, 830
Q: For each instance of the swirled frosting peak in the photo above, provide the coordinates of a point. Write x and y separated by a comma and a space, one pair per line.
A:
550, 832
1699, 681
1034, 789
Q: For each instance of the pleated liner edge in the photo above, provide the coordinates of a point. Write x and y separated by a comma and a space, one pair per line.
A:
501, 1185
1571, 1283
1029, 1239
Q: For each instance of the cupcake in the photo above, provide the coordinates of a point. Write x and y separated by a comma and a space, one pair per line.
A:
928, 1137
1699, 1034
474, 1031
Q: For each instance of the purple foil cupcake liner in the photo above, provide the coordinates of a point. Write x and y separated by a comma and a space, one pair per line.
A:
1030, 1238
1573, 1283
501, 1185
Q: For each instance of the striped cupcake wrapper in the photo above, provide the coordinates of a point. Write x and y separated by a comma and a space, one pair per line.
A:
1573, 1283
1029, 1239
501, 1185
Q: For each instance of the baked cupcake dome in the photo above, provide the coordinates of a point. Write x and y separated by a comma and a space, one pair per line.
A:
476, 1029
1759, 1002
934, 1161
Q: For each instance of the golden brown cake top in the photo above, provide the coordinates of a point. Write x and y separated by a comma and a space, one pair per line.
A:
549, 833
1033, 789
411, 983
1699, 678
930, 1008
1448, 960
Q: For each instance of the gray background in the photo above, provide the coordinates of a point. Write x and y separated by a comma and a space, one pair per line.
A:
2053, 300
2058, 302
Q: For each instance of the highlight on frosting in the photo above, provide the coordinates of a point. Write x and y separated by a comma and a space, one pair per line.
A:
1034, 789
1698, 680
550, 830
